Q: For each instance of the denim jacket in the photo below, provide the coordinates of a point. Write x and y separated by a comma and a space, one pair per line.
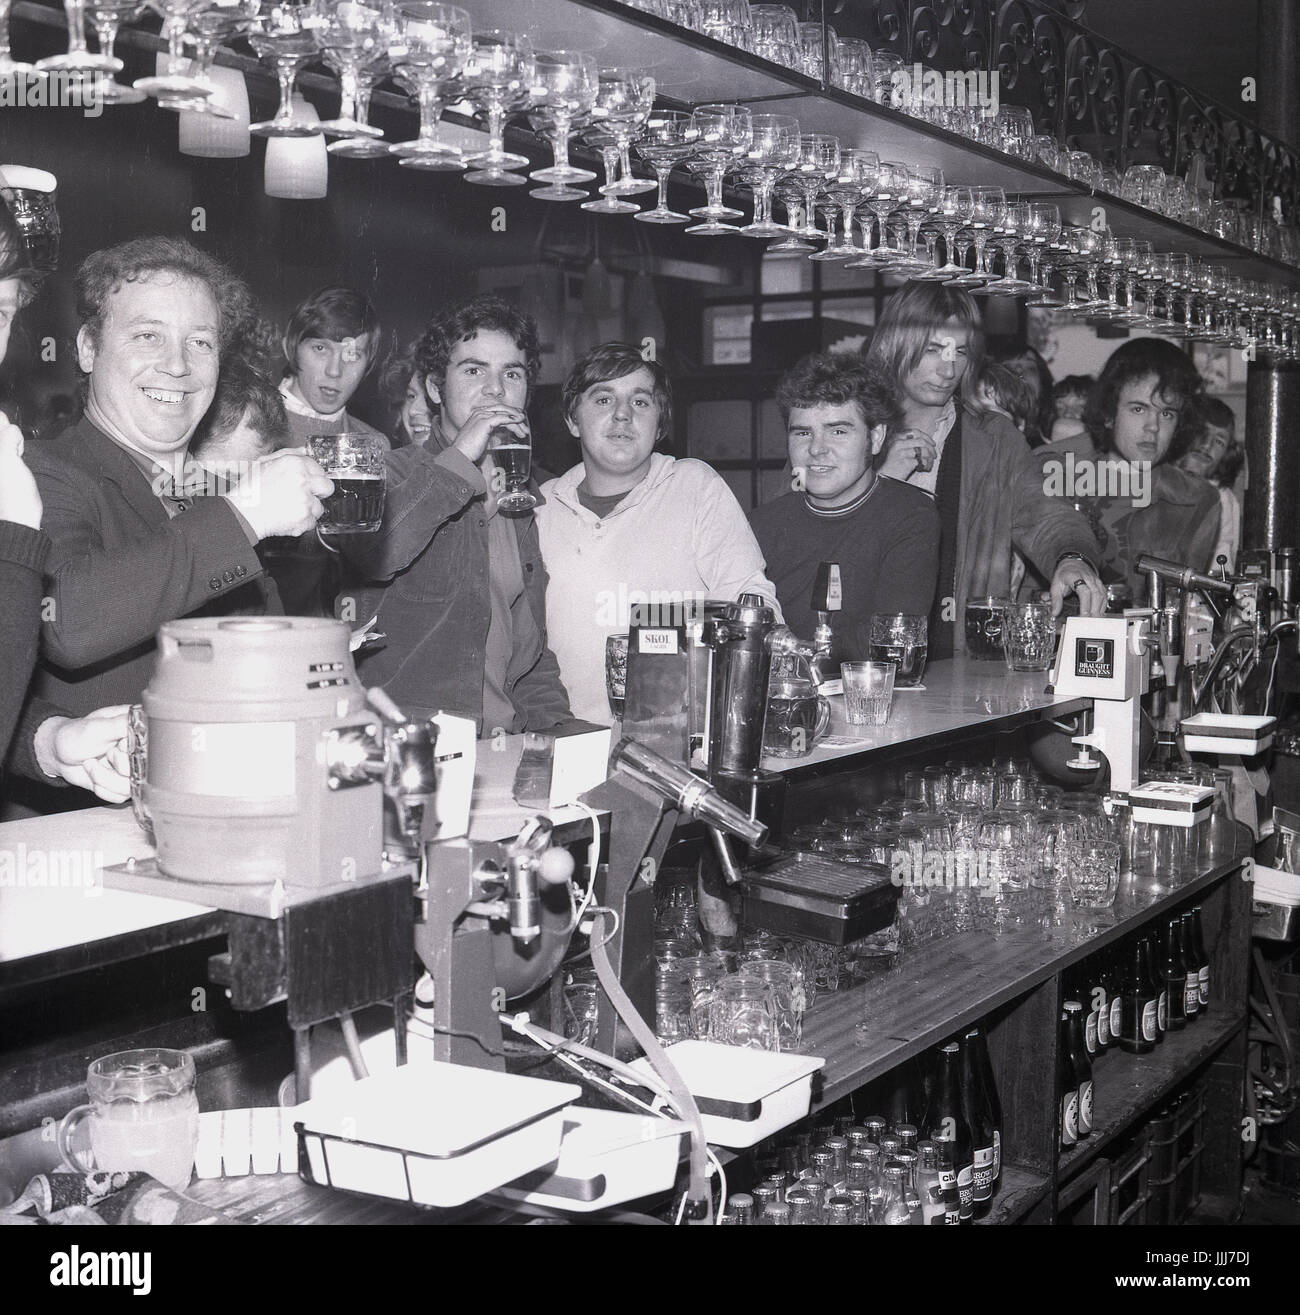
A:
427, 569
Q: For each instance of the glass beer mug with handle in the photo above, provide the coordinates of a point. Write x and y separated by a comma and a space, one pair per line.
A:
797, 716
355, 462
143, 1115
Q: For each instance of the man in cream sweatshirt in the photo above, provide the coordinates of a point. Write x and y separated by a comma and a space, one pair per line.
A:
631, 525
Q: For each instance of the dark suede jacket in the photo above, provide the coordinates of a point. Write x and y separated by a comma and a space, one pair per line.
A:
428, 568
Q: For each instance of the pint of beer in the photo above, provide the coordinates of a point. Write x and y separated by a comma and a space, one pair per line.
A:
355, 462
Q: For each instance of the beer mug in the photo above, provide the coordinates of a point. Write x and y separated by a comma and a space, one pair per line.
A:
355, 462
984, 628
1029, 636
144, 1115
797, 716
902, 640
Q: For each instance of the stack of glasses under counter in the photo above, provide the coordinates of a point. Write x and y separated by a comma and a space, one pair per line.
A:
944, 1168
973, 847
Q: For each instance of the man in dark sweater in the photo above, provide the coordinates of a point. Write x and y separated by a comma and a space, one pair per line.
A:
883, 535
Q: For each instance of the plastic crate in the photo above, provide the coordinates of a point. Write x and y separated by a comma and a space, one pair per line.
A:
1176, 1139
1130, 1183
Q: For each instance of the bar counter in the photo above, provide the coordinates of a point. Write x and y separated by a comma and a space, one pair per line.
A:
47, 928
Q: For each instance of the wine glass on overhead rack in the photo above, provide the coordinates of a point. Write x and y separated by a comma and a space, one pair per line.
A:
789, 192
351, 36
370, 147
670, 137
107, 17
1042, 232
988, 204
920, 200
499, 77
624, 100
724, 133
773, 152
953, 208
819, 162
852, 181
565, 88
77, 58
600, 138
886, 191
429, 48
284, 36
208, 29
1007, 237
176, 83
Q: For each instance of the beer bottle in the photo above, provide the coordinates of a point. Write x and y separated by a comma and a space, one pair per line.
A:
1174, 972
1082, 1065
947, 1127
975, 1105
928, 1186
984, 1071
897, 1209
1138, 1027
1087, 1001
1158, 984
1115, 989
1192, 1000
1067, 1086
1198, 942
1099, 1002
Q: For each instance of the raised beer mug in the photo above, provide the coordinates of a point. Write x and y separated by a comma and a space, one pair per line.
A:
355, 462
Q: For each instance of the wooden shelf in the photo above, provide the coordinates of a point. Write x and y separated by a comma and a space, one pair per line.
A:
691, 69
1019, 1191
1126, 1086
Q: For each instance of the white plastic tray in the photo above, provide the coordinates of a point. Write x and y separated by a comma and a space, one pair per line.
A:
606, 1158
1219, 732
744, 1095
435, 1134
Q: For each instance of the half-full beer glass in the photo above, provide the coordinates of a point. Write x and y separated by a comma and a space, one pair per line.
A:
512, 455
355, 462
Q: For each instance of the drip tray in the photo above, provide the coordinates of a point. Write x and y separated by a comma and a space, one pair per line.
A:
818, 898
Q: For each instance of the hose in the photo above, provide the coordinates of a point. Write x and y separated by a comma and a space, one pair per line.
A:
353, 1043
659, 1061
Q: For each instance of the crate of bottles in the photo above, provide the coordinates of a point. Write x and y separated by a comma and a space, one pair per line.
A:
1130, 1190
1176, 1141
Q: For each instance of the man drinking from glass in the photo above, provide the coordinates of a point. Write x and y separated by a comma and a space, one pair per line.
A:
457, 589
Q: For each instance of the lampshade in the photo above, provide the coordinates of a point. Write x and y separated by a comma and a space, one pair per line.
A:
297, 168
216, 138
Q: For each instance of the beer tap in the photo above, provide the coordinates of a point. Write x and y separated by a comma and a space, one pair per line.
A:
827, 597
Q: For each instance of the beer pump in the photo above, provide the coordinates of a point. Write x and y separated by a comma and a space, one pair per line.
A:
1107, 659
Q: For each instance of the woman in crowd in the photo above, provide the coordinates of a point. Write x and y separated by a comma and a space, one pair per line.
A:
1029, 367
1139, 417
403, 390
